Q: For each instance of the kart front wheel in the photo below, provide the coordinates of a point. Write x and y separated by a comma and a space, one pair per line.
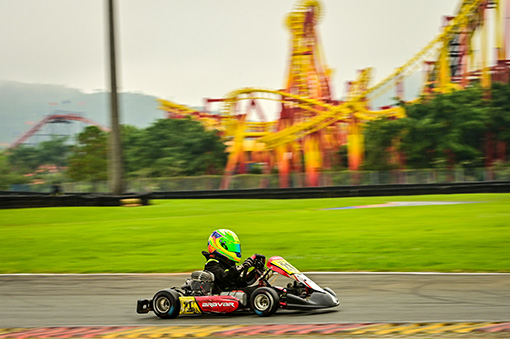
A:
166, 304
264, 301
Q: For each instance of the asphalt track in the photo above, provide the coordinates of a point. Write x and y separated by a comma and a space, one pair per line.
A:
110, 300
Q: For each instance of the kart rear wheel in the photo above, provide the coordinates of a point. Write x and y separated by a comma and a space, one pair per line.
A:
166, 304
264, 301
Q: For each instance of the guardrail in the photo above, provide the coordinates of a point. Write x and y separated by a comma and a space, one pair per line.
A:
29, 200
339, 191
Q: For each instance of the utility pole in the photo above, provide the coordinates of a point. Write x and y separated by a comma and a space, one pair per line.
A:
115, 164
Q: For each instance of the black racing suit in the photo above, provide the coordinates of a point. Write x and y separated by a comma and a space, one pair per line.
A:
226, 275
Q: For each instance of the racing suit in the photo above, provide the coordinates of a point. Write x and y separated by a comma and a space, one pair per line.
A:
226, 273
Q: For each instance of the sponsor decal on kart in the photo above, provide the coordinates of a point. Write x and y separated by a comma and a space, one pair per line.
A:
283, 265
221, 304
217, 304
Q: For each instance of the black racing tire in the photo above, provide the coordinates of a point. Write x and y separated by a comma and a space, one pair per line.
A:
264, 301
166, 304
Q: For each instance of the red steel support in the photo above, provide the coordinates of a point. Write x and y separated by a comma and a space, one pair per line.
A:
54, 118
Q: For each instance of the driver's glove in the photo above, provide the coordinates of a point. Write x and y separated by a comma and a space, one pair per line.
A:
246, 264
249, 262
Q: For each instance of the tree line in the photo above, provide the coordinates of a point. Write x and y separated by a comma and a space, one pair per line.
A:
467, 128
169, 147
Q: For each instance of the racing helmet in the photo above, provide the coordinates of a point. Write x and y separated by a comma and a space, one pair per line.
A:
226, 243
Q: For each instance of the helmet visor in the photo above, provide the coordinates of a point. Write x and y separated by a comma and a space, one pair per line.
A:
234, 248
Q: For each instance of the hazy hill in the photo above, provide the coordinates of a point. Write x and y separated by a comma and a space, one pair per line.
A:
22, 105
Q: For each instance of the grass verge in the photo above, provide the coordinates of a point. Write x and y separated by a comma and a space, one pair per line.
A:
168, 235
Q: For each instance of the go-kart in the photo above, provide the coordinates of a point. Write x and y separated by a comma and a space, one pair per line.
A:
259, 295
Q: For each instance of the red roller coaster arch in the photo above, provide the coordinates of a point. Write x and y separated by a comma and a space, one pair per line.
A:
55, 118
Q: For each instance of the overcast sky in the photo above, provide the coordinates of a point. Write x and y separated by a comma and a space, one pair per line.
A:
190, 49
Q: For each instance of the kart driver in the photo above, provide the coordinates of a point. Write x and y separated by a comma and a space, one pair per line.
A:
224, 251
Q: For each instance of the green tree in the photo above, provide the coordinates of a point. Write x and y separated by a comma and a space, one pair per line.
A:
498, 124
26, 159
88, 161
131, 141
54, 151
450, 126
381, 135
446, 130
7, 176
174, 147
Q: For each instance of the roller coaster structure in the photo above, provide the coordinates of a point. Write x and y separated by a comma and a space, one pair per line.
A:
57, 117
312, 125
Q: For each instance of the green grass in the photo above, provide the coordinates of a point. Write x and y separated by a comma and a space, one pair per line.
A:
169, 235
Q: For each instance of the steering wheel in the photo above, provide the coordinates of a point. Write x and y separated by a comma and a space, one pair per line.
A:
249, 277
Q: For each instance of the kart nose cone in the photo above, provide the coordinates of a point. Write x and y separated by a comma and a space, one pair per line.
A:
327, 299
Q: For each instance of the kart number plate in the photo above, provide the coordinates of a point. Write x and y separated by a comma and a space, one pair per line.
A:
189, 305
286, 266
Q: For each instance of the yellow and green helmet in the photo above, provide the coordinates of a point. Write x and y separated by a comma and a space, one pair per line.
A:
226, 243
